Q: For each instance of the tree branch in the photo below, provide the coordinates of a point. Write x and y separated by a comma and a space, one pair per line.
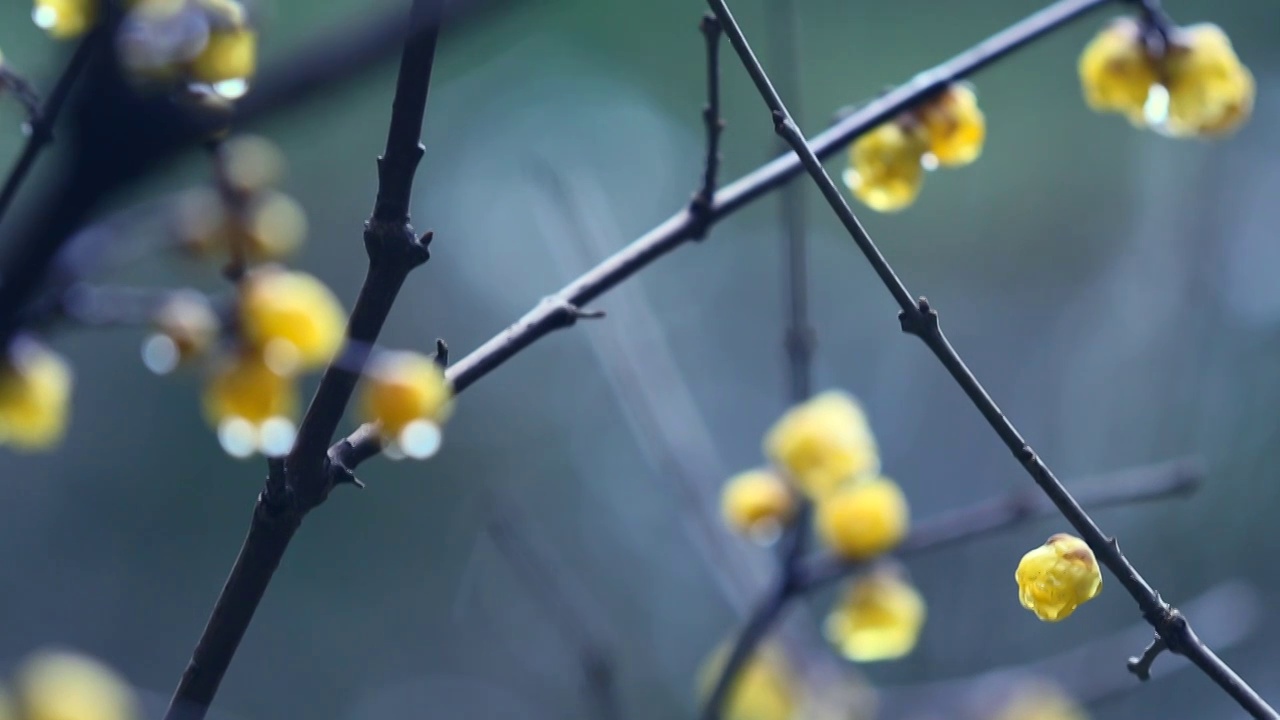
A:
703, 199
40, 127
549, 315
919, 319
309, 472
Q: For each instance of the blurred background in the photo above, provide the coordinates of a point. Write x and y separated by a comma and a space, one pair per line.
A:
1114, 289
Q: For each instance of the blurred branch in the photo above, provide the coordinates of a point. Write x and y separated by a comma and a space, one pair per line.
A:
43, 117
1227, 615
919, 319
549, 587
556, 311
1177, 478
304, 480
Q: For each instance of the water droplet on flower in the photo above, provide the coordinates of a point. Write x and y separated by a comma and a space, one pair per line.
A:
233, 89
420, 439
238, 437
276, 435
160, 354
44, 17
1156, 109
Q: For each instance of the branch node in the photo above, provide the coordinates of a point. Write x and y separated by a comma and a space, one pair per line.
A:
921, 320
441, 357
340, 473
1141, 665
395, 243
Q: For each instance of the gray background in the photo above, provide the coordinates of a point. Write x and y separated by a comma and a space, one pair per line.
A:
1116, 291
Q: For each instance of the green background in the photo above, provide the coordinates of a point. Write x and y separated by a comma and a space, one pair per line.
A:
1115, 290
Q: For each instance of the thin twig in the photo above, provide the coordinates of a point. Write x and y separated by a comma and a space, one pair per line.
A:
703, 199
919, 319
310, 472
563, 607
951, 528
40, 126
549, 314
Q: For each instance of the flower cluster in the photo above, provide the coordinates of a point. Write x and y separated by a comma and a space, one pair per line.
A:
824, 449
887, 165
1180, 81
62, 685
206, 43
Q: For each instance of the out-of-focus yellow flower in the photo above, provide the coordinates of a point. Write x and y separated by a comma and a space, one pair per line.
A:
35, 396
408, 394
757, 503
765, 688
955, 126
293, 317
1116, 73
60, 685
229, 55
64, 19
823, 442
1210, 91
1055, 578
1040, 700
884, 165
271, 226
250, 163
878, 618
864, 519
245, 388
189, 323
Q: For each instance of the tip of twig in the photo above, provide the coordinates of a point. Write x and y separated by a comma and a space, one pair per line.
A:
709, 25
442, 353
1141, 665
425, 238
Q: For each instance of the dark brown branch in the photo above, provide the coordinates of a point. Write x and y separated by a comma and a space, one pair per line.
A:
919, 319
700, 207
40, 127
549, 315
310, 471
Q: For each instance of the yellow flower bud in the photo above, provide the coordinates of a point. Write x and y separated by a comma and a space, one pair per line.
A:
244, 387
229, 55
863, 519
35, 396
293, 317
408, 394
249, 163
1116, 73
878, 618
1210, 91
757, 503
823, 442
1040, 700
274, 226
187, 327
1055, 578
884, 166
955, 126
60, 685
64, 19
764, 689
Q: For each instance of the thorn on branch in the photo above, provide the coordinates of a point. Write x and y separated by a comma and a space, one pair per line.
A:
1141, 666
921, 321
441, 357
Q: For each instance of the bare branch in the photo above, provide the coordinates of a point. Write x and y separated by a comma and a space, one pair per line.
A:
311, 470
919, 319
700, 207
